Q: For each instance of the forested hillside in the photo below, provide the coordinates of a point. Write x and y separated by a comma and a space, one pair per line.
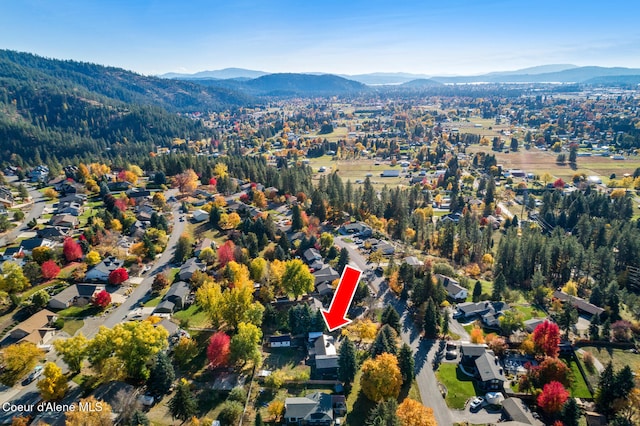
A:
53, 110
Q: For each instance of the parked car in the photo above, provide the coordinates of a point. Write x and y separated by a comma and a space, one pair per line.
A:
476, 403
37, 372
451, 354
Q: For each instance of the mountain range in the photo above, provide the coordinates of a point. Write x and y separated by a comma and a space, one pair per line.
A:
560, 73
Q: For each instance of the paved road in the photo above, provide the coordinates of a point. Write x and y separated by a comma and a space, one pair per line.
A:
35, 212
91, 325
424, 351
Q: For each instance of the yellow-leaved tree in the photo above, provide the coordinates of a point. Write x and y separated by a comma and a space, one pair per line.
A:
97, 414
53, 384
413, 413
381, 378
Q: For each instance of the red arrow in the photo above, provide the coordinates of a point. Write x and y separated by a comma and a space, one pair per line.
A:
335, 317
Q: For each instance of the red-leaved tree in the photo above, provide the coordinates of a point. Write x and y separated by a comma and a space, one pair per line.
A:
549, 370
226, 253
213, 181
50, 269
552, 397
218, 350
102, 299
71, 250
118, 276
120, 205
559, 183
546, 338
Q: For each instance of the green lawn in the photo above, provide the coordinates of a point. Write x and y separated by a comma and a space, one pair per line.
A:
460, 387
27, 294
579, 387
194, 315
529, 312
72, 326
78, 311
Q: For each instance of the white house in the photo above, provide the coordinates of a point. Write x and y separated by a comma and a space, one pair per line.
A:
200, 215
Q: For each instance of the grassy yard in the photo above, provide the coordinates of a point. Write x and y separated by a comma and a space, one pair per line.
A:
79, 311
529, 311
460, 387
579, 387
71, 327
27, 294
195, 316
619, 357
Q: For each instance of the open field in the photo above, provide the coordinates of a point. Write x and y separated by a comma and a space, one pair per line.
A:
540, 162
337, 134
357, 170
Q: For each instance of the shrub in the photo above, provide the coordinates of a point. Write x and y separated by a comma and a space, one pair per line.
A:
589, 361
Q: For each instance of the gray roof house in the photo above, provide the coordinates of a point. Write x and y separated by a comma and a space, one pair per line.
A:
515, 410
189, 267
326, 274
357, 228
490, 372
101, 271
65, 221
314, 409
178, 294
164, 307
488, 312
311, 255
75, 295
454, 290
581, 305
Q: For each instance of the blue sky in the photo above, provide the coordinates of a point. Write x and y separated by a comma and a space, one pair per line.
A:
461, 37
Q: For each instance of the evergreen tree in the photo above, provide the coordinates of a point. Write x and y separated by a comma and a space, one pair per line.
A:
296, 218
258, 420
385, 342
343, 260
183, 405
499, 286
391, 317
567, 318
571, 413
431, 321
384, 414
347, 363
406, 363
138, 418
594, 328
162, 375
605, 394
445, 323
477, 291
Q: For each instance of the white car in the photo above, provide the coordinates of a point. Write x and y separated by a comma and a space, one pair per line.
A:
476, 403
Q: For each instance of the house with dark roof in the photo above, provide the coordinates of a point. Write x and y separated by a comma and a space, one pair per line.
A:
360, 229
27, 246
583, 306
454, 290
165, 307
311, 255
386, 248
189, 267
171, 327
53, 233
178, 294
75, 295
325, 275
488, 312
470, 352
280, 341
101, 271
490, 373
